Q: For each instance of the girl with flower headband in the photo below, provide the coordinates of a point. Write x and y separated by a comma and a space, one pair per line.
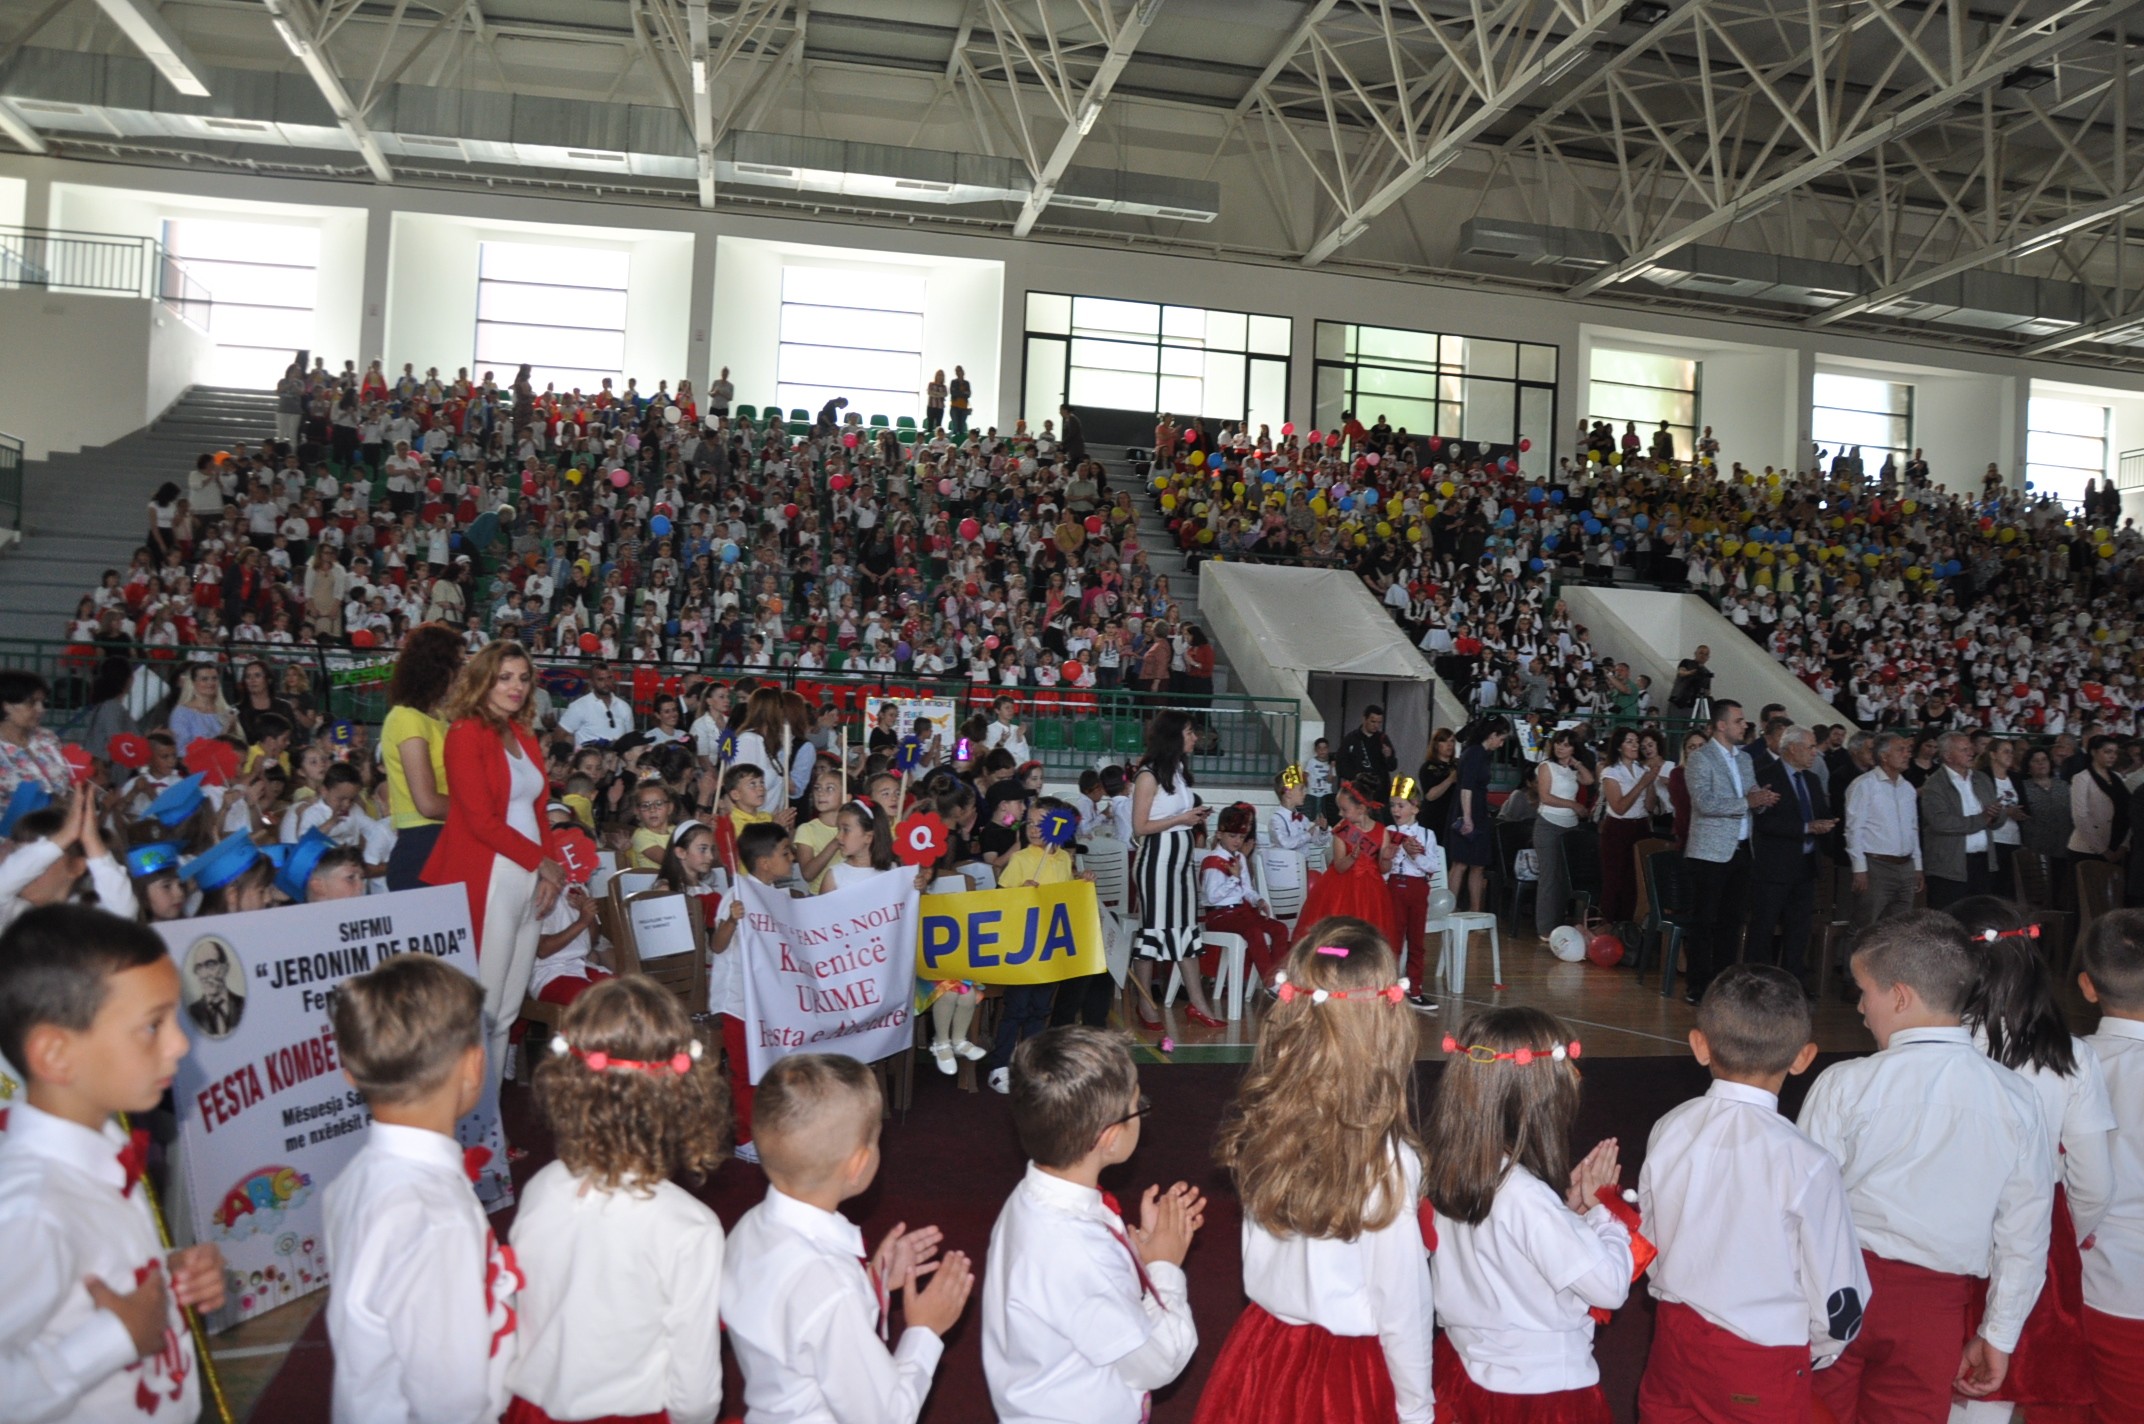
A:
623, 1264
1362, 856
1525, 1249
2016, 1021
1322, 1143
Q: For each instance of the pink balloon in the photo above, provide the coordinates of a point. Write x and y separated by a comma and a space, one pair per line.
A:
945, 488
850, 440
620, 478
1373, 457
991, 642
1288, 428
1317, 437
837, 483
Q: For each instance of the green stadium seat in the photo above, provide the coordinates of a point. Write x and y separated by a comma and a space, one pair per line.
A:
803, 415
1090, 734
1049, 734
747, 412
878, 420
799, 428
906, 422
906, 437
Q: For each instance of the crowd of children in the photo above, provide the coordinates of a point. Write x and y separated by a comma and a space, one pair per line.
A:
1957, 1219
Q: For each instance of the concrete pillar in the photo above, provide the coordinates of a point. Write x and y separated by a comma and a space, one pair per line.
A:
379, 245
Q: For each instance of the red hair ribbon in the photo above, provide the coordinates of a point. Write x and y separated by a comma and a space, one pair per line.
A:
1991, 935
1482, 1053
1287, 993
679, 1063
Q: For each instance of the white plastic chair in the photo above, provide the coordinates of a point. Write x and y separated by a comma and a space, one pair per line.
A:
1458, 928
950, 885
1284, 880
1229, 986
1109, 862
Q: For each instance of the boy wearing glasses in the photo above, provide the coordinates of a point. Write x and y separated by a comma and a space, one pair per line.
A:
1083, 1314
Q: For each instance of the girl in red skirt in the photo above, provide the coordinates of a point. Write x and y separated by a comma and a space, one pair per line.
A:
1322, 1143
1525, 1251
1362, 853
2015, 1020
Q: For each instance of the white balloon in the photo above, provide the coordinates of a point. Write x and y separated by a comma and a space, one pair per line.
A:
1568, 943
1442, 903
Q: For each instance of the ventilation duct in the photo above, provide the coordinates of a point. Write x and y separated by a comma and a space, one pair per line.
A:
122, 96
1536, 245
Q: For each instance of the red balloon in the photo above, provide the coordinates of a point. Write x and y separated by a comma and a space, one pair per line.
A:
1317, 437
435, 486
1525, 445
1436, 442
970, 530
528, 487
1605, 950
1094, 524
363, 638
789, 511
1072, 671
837, 483
590, 643
1288, 428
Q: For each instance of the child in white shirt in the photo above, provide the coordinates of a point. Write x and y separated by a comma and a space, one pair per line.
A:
808, 1314
1338, 1278
1083, 1314
1759, 1275
421, 1316
1947, 1175
1229, 895
89, 1327
1525, 1248
624, 1266
1288, 825
2113, 978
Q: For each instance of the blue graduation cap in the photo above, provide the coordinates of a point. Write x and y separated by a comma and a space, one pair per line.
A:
908, 755
29, 796
295, 868
1059, 828
155, 858
222, 862
177, 801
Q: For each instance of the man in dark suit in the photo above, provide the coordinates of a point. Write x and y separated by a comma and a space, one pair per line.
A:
1784, 860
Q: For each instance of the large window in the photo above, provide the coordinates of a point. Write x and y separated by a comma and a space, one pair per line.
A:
1148, 357
1643, 388
1478, 391
560, 309
265, 279
1875, 415
2065, 446
854, 334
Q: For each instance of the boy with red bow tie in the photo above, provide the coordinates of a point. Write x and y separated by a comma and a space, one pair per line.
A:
1083, 1314
90, 1302
422, 1311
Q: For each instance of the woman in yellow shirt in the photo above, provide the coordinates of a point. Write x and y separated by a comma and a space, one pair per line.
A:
413, 749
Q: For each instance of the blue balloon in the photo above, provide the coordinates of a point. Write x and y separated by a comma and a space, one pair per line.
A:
1555, 496
1621, 545
1642, 523
659, 526
1536, 495
1534, 565
731, 553
1508, 517
1369, 496
1592, 525
1550, 541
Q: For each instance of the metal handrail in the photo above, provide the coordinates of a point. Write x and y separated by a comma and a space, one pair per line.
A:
11, 448
110, 263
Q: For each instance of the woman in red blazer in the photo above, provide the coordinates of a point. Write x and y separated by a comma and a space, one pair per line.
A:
497, 843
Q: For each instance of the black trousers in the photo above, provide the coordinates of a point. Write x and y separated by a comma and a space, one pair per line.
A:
1085, 1000
1718, 892
1979, 880
1785, 907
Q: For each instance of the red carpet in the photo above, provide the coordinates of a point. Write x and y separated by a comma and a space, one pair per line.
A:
953, 1160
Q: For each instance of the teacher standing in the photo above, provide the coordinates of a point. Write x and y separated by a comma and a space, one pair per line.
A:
413, 747
1165, 813
497, 843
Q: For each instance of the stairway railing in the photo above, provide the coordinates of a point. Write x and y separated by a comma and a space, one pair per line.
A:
10, 482
112, 264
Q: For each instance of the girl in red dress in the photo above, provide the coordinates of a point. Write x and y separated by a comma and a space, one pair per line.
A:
1355, 885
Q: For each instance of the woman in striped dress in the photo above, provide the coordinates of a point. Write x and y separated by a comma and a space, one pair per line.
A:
1164, 816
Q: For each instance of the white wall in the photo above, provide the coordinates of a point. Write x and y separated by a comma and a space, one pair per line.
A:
962, 307
132, 354
432, 282
1654, 631
96, 207
1754, 400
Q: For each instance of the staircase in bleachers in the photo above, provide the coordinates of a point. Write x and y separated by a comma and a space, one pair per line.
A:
87, 511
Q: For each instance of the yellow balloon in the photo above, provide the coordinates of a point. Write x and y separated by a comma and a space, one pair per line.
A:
1393, 505
1414, 532
1615, 459
1793, 560
2106, 551
2008, 536
1731, 547
1384, 530
1362, 541
1871, 560
1318, 506
1837, 522
1447, 489
1913, 576
573, 477
1205, 536
1765, 558
1772, 480
1910, 506
1168, 501
1239, 489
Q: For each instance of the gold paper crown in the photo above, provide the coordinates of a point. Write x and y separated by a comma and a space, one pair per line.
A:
1292, 777
1403, 788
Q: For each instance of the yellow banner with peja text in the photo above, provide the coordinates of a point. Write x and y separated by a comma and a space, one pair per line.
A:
1035, 934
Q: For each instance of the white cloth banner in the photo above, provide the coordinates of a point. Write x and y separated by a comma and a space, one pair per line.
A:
266, 1118
832, 974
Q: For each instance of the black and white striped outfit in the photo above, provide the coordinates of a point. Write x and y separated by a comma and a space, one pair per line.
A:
1167, 868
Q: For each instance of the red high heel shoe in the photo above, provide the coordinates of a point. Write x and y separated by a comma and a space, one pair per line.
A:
1203, 1018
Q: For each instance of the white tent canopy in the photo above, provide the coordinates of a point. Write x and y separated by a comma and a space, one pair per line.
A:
1317, 635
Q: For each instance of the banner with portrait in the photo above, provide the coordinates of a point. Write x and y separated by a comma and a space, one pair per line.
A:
828, 974
924, 717
266, 1118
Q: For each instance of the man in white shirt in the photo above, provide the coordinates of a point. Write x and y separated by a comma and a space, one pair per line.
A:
804, 1307
1883, 835
1947, 1173
598, 714
2113, 978
1958, 812
1759, 1268
1083, 1313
